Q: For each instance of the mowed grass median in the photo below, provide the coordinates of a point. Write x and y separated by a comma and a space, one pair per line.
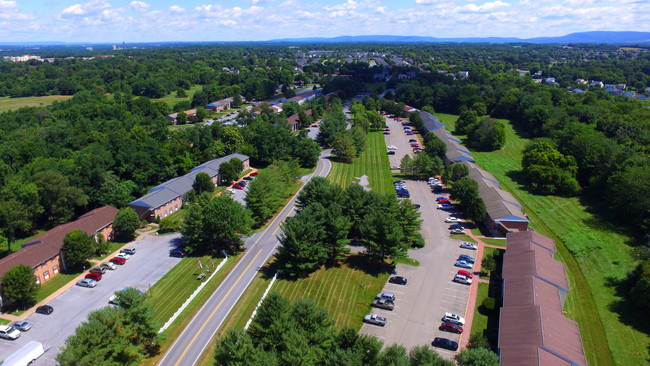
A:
596, 256
373, 163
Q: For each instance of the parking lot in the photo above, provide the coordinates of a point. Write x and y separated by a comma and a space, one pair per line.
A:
430, 292
150, 263
400, 140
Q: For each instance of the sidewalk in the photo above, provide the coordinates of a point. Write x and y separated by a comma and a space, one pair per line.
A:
471, 303
62, 289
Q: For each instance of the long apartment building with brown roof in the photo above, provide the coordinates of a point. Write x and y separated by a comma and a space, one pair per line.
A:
533, 330
43, 253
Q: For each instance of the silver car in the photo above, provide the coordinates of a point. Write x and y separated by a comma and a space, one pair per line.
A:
87, 282
375, 319
468, 245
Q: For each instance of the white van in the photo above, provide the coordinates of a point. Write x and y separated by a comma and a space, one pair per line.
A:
26, 355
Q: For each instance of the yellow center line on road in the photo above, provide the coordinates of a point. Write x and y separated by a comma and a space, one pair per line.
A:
215, 309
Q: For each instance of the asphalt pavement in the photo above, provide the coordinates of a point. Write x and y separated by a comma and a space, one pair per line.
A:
198, 334
150, 263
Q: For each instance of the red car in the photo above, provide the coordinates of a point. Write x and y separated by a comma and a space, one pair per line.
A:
237, 186
254, 174
94, 276
451, 327
444, 200
118, 260
465, 273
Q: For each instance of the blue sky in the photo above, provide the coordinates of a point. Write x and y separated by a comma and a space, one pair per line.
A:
251, 20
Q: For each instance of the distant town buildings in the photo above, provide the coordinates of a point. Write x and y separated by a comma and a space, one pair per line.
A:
22, 58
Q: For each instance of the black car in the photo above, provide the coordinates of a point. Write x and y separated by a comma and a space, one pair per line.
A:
398, 280
445, 343
45, 309
391, 152
243, 183
178, 252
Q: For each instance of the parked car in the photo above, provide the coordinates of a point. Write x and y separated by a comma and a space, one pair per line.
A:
94, 276
243, 183
383, 304
178, 252
451, 327
409, 133
386, 132
386, 295
403, 195
445, 206
464, 264
390, 152
398, 280
451, 219
87, 282
375, 319
392, 147
398, 181
467, 258
457, 231
465, 273
254, 174
453, 318
417, 205
462, 279
108, 265
468, 245
442, 200
22, 326
237, 186
9, 332
123, 255
455, 226
413, 140
118, 260
249, 177
45, 309
130, 251
100, 270
445, 343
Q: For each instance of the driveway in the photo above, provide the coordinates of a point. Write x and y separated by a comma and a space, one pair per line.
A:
150, 263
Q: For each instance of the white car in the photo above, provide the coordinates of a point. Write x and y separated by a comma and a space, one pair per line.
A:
451, 317
451, 219
108, 265
468, 245
231, 190
392, 147
445, 206
9, 332
124, 255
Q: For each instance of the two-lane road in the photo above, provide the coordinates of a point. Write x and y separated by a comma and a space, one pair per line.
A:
191, 343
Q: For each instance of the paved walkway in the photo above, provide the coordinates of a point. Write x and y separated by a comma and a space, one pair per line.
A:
473, 292
62, 289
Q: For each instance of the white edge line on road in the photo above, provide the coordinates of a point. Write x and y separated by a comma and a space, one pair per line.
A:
249, 250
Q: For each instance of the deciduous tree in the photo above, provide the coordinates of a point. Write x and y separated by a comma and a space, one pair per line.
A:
77, 248
202, 183
126, 222
19, 286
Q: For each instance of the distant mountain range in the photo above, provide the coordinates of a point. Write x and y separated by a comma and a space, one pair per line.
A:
598, 37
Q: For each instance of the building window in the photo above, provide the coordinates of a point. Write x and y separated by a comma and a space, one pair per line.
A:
55, 269
38, 280
46, 275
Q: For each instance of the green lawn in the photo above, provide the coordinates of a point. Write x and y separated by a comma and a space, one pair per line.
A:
171, 99
486, 252
373, 162
17, 245
112, 247
171, 291
480, 321
4, 321
8, 104
596, 255
497, 242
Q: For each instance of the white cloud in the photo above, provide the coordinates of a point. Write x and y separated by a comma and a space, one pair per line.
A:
176, 9
92, 7
484, 8
139, 6
424, 2
259, 2
227, 22
352, 5
9, 10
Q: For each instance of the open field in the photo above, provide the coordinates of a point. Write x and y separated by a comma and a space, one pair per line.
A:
8, 104
597, 258
373, 162
171, 99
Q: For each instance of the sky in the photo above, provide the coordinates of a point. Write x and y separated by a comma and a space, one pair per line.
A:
115, 21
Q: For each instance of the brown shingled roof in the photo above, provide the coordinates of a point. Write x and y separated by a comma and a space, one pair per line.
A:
534, 263
49, 244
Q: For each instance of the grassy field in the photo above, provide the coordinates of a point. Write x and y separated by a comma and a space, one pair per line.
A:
171, 99
17, 245
169, 293
8, 104
497, 242
166, 301
597, 258
480, 321
373, 162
